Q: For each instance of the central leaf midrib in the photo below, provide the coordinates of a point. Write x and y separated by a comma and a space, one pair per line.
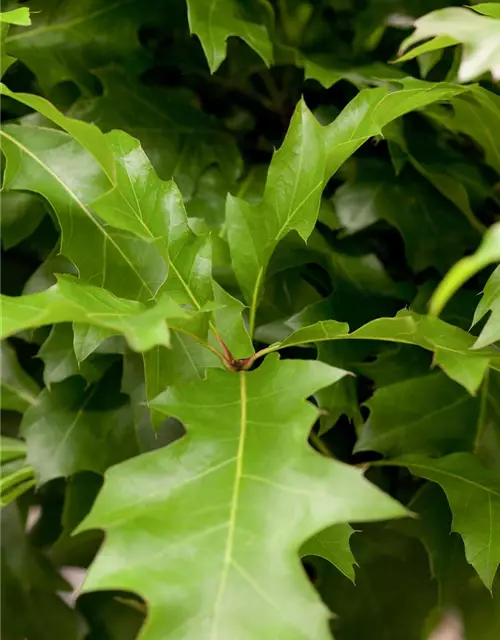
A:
234, 507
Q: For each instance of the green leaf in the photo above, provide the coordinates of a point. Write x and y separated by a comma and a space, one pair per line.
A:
67, 40
214, 21
430, 414
475, 114
12, 449
21, 215
88, 135
31, 606
299, 170
53, 164
490, 301
332, 544
74, 428
180, 140
473, 493
19, 390
451, 345
420, 214
487, 252
72, 301
59, 358
21, 17
393, 594
184, 361
479, 34
17, 477
230, 495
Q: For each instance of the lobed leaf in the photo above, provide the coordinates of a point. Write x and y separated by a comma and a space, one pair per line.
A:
246, 492
214, 21
72, 301
474, 496
451, 345
480, 35
309, 156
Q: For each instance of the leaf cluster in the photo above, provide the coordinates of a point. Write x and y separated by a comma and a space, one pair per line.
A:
250, 319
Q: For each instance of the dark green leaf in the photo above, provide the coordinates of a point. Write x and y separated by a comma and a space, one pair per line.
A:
431, 415
75, 428
474, 496
19, 390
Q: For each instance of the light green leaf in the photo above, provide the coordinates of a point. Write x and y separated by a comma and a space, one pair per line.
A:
72, 301
290, 201
245, 497
436, 44
184, 361
451, 345
490, 301
19, 390
473, 493
430, 414
11, 449
20, 16
230, 325
487, 252
299, 170
74, 428
479, 34
214, 21
53, 164
67, 39
332, 544
17, 477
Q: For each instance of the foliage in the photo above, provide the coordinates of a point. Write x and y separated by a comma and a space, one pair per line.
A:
241, 331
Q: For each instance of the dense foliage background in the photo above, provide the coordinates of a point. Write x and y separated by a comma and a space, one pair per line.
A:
173, 293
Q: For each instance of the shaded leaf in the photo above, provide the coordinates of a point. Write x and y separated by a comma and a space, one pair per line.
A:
473, 493
67, 40
74, 428
430, 414
475, 114
21, 215
421, 215
230, 494
19, 390
180, 140
31, 607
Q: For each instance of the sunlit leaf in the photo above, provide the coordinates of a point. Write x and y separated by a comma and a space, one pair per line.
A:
244, 507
